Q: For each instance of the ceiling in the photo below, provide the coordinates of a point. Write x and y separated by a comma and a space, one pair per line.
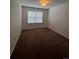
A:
35, 3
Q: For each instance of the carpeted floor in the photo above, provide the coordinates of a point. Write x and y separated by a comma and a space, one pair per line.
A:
41, 44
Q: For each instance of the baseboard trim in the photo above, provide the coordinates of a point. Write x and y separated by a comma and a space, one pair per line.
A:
34, 28
59, 33
15, 45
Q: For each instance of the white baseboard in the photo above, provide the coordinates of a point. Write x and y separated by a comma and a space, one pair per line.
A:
33, 28
11, 51
59, 33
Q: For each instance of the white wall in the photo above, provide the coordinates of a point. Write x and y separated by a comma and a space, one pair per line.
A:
15, 23
59, 19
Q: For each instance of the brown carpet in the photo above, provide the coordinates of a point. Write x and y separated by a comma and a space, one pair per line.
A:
41, 44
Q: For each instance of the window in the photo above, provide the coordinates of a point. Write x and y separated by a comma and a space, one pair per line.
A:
35, 17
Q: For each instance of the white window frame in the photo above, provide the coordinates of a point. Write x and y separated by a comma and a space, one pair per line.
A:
35, 15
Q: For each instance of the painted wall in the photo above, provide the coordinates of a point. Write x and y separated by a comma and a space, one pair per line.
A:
25, 25
15, 23
59, 19
58, 16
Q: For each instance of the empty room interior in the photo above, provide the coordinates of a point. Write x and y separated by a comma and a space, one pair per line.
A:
39, 29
